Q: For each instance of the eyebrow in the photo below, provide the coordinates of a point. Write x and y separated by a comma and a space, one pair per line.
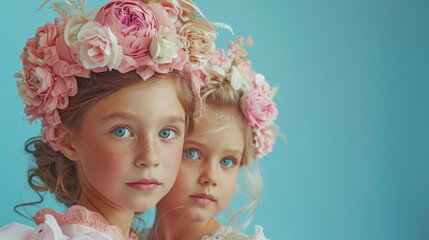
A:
125, 115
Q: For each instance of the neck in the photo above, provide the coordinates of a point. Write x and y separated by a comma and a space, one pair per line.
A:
112, 215
174, 226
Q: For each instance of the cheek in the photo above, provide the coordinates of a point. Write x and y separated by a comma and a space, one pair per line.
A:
179, 193
100, 158
182, 186
172, 158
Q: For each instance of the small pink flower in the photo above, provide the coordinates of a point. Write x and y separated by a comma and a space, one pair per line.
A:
263, 141
237, 51
98, 47
259, 108
259, 82
220, 59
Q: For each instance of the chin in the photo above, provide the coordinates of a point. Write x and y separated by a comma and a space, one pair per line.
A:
197, 216
143, 206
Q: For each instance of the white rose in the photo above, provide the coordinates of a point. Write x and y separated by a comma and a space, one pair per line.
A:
163, 50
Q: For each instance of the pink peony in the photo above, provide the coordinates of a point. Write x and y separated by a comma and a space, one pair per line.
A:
47, 80
135, 24
259, 108
98, 47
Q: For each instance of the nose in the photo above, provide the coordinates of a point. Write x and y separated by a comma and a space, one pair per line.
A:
209, 174
148, 153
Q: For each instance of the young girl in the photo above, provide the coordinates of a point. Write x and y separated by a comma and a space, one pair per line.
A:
115, 100
236, 129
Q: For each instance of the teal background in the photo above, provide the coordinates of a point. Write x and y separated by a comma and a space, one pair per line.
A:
353, 102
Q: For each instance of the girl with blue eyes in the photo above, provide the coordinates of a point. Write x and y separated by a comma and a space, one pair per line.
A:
115, 98
118, 153
236, 129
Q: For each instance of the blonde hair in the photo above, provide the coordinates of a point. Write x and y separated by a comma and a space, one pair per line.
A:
219, 93
54, 172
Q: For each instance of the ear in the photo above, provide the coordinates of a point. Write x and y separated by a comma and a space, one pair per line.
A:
65, 142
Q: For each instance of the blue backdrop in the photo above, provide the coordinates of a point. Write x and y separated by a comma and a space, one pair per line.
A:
353, 102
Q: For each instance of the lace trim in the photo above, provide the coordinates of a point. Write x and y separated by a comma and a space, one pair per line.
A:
81, 215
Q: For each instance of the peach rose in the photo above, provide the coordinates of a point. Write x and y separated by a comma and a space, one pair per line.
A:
200, 39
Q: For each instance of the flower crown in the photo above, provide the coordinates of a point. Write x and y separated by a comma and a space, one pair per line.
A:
257, 102
150, 36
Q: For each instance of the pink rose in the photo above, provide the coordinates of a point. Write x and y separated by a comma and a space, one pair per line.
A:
42, 46
128, 18
98, 47
135, 24
263, 141
45, 85
42, 89
259, 108
46, 36
200, 41
48, 46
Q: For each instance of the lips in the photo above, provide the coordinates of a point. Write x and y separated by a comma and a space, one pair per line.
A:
203, 198
144, 184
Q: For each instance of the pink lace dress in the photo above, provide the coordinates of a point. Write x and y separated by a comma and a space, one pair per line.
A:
77, 223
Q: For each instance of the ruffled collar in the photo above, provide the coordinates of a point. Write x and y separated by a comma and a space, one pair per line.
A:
81, 215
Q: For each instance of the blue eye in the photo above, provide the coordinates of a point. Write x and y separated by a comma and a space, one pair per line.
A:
190, 153
227, 162
122, 132
167, 133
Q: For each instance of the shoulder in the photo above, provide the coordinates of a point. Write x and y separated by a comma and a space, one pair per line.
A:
50, 229
231, 233
79, 221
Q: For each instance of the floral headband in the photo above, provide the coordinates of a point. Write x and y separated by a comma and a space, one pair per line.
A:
258, 106
150, 36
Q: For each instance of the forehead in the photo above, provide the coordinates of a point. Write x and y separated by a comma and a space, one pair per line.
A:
142, 98
219, 122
